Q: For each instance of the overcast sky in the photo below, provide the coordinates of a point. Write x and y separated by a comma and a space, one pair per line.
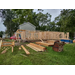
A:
53, 12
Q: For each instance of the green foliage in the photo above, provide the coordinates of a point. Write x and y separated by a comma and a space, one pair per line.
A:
1, 33
27, 15
66, 21
7, 16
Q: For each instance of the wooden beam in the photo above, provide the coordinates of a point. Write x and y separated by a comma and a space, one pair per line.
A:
0, 44
50, 41
41, 40
12, 48
27, 52
44, 44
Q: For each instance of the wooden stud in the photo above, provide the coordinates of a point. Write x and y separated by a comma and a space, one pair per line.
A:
12, 48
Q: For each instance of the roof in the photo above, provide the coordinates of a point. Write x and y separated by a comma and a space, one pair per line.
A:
28, 23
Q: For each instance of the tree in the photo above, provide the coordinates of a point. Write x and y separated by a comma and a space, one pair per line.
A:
27, 15
1, 33
7, 15
66, 21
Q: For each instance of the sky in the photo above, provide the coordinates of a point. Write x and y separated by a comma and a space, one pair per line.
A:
53, 12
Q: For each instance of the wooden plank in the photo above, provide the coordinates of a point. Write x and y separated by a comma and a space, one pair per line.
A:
41, 40
12, 48
44, 44
7, 42
50, 41
27, 52
67, 35
38, 46
5, 45
34, 48
0, 44
4, 51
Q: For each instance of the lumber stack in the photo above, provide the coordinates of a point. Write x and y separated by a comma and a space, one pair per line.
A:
44, 44
36, 47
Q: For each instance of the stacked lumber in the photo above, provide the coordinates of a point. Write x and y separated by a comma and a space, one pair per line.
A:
36, 47
44, 44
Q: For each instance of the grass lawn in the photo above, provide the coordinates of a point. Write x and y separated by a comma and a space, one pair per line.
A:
49, 57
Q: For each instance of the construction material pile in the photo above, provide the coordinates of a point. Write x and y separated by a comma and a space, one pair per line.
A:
58, 46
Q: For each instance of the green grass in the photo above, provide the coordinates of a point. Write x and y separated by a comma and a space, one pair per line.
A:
49, 57
8, 40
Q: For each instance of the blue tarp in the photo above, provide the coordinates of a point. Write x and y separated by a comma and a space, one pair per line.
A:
68, 41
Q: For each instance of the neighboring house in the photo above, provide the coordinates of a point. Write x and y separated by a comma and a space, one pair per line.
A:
5, 36
27, 26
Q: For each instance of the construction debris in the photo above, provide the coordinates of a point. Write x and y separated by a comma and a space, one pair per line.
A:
58, 46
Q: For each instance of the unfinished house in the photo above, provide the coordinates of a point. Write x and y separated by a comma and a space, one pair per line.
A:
28, 35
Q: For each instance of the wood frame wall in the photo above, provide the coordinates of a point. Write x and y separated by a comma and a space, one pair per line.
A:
28, 35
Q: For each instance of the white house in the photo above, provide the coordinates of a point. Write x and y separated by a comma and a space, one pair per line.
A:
27, 26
